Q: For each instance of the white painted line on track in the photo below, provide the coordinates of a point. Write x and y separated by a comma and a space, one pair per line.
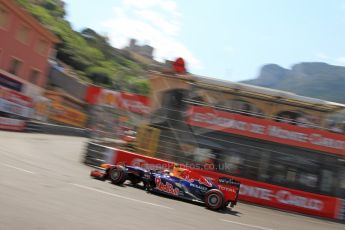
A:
20, 169
119, 196
247, 225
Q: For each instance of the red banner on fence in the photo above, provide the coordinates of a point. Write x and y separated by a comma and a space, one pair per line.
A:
92, 94
134, 103
127, 101
250, 190
213, 119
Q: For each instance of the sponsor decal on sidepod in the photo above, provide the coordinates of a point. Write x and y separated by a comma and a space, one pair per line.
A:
167, 187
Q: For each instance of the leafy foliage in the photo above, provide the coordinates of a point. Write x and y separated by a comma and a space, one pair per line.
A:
88, 52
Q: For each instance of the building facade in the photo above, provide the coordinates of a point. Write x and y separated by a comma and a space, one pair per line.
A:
25, 48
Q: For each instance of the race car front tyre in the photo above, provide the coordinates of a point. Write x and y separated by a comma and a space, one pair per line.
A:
117, 174
214, 199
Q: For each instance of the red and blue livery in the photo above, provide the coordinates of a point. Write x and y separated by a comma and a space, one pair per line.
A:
179, 182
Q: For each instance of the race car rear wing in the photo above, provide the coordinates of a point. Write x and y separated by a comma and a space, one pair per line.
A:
229, 181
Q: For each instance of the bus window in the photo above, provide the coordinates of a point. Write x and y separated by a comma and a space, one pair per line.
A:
299, 172
201, 154
252, 162
308, 179
341, 179
288, 117
291, 175
326, 180
335, 122
264, 166
242, 161
233, 164
278, 173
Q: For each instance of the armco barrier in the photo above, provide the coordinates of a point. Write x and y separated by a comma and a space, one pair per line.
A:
97, 154
46, 128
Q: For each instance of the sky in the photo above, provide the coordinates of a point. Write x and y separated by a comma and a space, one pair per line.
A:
224, 39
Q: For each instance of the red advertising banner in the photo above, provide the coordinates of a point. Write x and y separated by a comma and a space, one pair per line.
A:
127, 101
92, 93
134, 103
252, 191
213, 119
11, 124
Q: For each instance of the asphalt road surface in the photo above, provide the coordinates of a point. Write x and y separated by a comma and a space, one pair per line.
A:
44, 185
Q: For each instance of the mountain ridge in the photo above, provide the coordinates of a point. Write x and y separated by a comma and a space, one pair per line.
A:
311, 79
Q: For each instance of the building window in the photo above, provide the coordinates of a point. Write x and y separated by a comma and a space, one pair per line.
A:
34, 76
14, 66
42, 47
4, 17
23, 34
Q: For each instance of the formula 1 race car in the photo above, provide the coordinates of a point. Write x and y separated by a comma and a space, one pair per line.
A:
180, 183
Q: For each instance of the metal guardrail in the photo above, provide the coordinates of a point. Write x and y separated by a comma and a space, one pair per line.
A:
96, 154
47, 128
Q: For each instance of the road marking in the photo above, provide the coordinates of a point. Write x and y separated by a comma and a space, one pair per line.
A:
20, 169
247, 225
119, 196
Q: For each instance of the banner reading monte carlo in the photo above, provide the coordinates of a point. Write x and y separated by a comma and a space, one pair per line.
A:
213, 119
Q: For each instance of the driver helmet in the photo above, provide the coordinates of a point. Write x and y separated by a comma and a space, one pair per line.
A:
177, 171
166, 172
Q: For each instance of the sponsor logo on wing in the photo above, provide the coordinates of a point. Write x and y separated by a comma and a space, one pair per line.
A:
226, 189
166, 187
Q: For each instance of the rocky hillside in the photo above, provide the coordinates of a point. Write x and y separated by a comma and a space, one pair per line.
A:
311, 79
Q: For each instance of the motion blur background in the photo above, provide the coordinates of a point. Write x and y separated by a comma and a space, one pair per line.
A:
109, 72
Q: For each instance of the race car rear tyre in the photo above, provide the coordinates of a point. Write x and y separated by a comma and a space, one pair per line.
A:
214, 199
117, 174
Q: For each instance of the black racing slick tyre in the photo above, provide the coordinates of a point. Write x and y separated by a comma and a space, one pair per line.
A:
117, 174
214, 199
